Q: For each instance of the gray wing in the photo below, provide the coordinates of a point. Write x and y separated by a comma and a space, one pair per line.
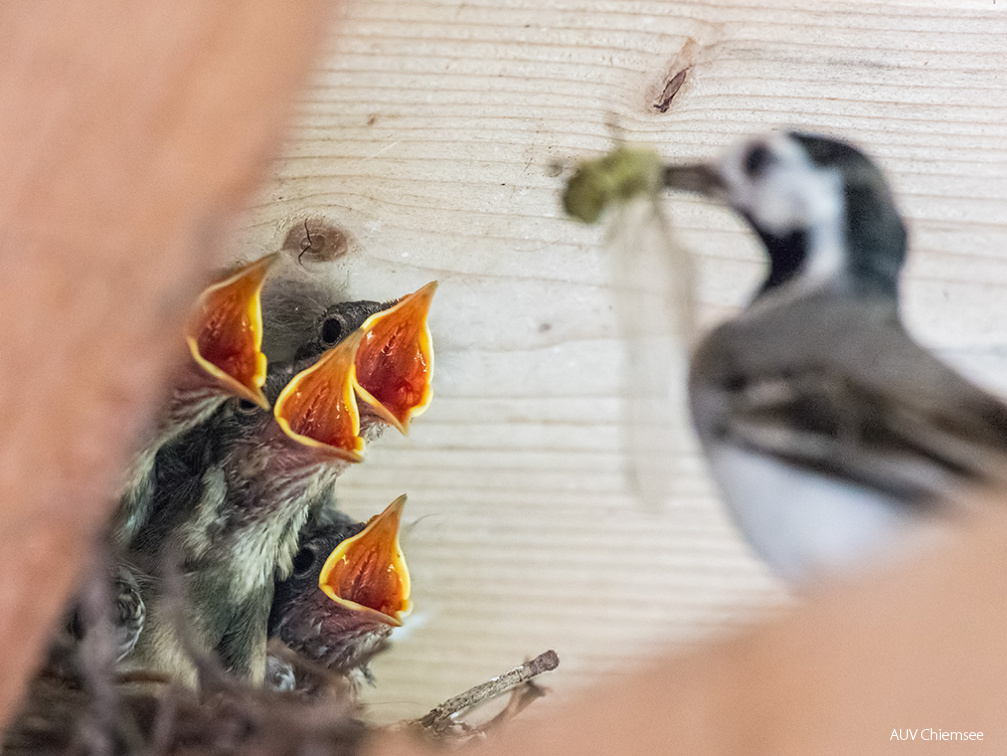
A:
840, 388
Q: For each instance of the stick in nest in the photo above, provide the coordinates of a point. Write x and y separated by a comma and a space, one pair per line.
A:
442, 720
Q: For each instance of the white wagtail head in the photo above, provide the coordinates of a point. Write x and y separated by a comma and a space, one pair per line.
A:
822, 208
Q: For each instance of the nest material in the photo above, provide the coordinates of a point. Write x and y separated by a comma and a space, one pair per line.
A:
153, 717
70, 715
80, 704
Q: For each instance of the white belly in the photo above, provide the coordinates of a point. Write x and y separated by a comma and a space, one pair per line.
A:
805, 525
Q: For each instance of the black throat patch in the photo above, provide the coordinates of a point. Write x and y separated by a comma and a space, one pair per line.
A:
787, 255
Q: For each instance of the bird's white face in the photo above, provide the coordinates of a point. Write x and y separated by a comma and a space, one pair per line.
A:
773, 181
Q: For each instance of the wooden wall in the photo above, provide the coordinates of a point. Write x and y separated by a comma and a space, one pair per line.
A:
435, 135
434, 132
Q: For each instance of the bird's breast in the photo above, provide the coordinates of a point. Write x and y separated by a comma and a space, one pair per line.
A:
804, 524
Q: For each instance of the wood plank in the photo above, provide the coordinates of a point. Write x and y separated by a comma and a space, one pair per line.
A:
432, 132
913, 655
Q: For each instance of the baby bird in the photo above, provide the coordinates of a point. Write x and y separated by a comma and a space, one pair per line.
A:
831, 433
230, 498
394, 368
348, 590
232, 495
224, 337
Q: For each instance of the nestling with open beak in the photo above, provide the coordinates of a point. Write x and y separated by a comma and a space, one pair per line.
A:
349, 589
224, 335
831, 433
232, 495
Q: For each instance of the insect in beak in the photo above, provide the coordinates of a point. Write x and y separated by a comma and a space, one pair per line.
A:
653, 285
624, 173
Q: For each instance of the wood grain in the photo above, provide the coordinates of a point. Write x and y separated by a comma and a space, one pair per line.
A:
435, 133
918, 651
129, 136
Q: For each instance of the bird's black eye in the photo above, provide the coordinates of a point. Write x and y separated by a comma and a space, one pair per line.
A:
332, 330
246, 406
304, 560
757, 160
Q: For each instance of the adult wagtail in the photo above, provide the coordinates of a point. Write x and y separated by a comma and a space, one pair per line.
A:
830, 431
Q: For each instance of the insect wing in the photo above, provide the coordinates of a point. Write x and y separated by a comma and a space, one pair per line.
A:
653, 281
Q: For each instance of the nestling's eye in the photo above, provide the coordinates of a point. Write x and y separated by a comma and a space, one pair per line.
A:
332, 331
304, 560
246, 407
757, 160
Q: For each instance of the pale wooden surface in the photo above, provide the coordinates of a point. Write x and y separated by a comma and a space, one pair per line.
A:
917, 650
431, 131
129, 135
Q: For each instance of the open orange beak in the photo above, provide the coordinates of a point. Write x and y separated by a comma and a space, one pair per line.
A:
395, 363
368, 573
225, 332
318, 407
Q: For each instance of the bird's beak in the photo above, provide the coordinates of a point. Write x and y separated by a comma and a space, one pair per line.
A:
225, 331
395, 363
701, 178
368, 573
318, 407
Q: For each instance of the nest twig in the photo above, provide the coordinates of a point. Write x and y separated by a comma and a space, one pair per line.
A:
165, 719
57, 718
443, 720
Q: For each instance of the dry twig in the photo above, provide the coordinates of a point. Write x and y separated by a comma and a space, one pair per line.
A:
443, 720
